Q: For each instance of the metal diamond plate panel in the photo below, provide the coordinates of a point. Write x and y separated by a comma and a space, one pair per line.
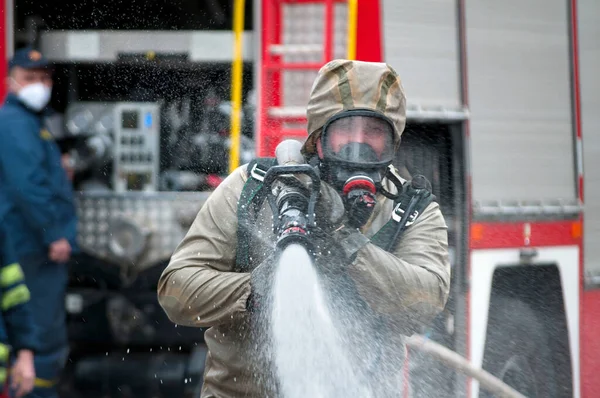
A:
164, 216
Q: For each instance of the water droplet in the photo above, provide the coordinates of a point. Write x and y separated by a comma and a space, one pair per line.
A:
128, 350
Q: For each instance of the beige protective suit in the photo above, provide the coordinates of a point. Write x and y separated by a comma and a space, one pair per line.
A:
201, 286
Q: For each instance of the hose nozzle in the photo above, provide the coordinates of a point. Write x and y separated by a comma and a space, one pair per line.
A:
293, 203
293, 225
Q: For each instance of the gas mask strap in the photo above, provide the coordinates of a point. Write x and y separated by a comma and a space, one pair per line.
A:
392, 175
413, 200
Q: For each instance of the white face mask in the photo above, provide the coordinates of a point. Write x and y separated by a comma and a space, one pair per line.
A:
35, 96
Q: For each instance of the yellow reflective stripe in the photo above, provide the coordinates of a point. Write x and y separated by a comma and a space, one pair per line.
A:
15, 296
44, 383
11, 274
4, 352
2, 375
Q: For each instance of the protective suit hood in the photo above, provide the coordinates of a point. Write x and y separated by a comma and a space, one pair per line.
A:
343, 85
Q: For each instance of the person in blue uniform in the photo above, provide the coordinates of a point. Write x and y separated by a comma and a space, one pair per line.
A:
17, 333
43, 224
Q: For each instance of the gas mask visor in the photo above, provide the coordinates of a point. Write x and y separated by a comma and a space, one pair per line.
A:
358, 139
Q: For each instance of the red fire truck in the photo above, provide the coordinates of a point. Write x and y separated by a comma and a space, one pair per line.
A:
502, 97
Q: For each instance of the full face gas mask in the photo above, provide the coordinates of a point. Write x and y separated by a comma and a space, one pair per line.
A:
357, 148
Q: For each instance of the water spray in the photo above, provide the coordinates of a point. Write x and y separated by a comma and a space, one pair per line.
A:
305, 363
308, 370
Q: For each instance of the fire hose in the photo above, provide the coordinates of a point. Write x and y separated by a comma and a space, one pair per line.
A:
462, 365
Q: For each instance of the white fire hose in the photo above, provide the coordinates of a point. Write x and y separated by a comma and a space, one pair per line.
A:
459, 363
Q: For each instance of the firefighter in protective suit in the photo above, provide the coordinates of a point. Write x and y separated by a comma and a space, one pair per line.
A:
356, 115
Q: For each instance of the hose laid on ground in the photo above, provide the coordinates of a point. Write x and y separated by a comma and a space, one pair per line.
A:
456, 361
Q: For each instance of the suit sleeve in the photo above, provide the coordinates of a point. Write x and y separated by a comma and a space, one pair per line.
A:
415, 278
199, 287
27, 180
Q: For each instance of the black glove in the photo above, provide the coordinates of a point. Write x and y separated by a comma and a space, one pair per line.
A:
359, 204
340, 246
336, 234
330, 212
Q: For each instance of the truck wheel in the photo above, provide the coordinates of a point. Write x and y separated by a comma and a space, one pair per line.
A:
518, 349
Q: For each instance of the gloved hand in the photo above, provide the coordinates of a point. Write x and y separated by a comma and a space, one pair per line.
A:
339, 246
329, 209
335, 234
359, 204
330, 212
352, 209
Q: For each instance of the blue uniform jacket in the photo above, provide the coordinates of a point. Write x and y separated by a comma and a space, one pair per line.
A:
17, 330
33, 181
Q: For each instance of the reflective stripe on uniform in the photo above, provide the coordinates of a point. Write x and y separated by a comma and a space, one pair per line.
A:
44, 383
4, 357
4, 353
11, 274
15, 296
